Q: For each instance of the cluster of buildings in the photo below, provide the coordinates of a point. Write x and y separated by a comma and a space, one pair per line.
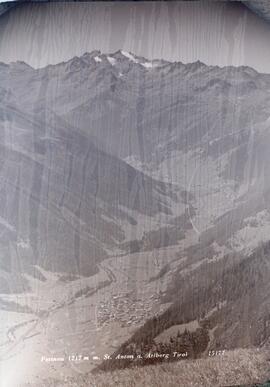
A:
127, 309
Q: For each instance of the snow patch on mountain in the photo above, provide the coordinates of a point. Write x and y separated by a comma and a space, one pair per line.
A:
97, 59
129, 56
148, 65
111, 60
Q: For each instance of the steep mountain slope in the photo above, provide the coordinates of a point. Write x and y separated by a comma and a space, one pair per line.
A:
227, 308
55, 181
241, 368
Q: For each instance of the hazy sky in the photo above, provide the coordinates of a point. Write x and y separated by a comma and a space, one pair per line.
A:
215, 33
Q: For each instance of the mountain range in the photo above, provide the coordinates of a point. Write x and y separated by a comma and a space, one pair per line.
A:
106, 133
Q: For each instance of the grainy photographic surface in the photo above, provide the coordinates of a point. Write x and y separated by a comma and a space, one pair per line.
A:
134, 195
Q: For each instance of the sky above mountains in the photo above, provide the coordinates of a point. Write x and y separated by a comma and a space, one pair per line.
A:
214, 33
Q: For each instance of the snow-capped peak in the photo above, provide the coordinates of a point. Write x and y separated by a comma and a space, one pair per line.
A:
129, 56
148, 64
